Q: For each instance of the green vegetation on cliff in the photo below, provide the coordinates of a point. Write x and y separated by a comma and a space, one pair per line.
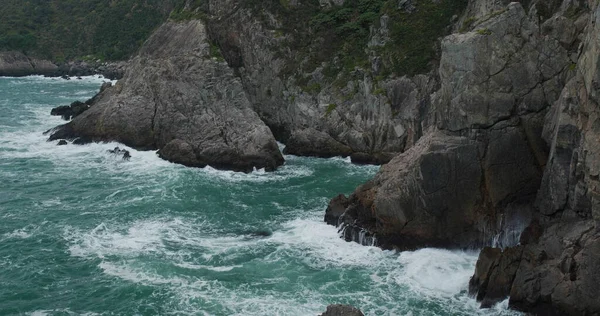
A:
67, 29
406, 36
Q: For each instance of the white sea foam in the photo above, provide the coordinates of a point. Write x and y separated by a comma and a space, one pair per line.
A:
27, 80
23, 233
436, 272
430, 274
283, 173
323, 246
142, 237
60, 312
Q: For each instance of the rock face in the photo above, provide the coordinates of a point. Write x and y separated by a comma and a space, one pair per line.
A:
342, 310
559, 262
510, 161
176, 98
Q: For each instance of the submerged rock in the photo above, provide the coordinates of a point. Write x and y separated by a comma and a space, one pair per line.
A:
342, 310
175, 99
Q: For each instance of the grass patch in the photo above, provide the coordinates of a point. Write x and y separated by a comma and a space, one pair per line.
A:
484, 32
330, 108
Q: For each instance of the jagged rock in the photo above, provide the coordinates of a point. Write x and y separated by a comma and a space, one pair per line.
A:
494, 274
342, 310
64, 110
175, 99
357, 115
310, 142
62, 142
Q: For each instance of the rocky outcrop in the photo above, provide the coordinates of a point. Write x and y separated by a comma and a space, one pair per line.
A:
342, 310
559, 262
17, 64
176, 98
472, 179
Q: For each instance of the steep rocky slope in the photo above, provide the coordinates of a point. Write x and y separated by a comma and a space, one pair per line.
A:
511, 161
556, 270
177, 98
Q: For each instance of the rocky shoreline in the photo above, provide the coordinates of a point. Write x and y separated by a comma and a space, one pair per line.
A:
17, 64
497, 146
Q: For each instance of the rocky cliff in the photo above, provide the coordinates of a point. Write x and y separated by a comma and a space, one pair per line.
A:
511, 160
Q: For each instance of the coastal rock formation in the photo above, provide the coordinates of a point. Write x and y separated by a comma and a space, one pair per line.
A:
176, 98
559, 262
471, 180
512, 160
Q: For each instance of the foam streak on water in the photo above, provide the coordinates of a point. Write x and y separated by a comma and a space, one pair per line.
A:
83, 232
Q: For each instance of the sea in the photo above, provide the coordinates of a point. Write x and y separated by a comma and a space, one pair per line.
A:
83, 232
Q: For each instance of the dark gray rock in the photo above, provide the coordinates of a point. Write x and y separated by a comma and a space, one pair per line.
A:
62, 142
342, 310
557, 272
371, 158
494, 274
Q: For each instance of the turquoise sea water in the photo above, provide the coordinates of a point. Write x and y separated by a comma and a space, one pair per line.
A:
85, 233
